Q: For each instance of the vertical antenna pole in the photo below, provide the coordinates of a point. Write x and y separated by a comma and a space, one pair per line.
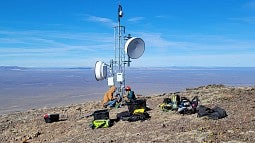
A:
119, 72
119, 36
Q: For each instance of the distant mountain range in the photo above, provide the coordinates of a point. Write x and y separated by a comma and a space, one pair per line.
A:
23, 68
131, 68
11, 68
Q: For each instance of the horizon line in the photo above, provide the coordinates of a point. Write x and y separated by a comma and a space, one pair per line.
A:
89, 67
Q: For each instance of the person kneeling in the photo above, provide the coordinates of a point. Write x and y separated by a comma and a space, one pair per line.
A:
109, 99
129, 95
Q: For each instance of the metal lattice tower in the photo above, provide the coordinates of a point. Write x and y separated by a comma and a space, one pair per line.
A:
134, 49
119, 54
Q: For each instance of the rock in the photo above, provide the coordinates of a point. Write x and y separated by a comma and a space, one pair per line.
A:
37, 134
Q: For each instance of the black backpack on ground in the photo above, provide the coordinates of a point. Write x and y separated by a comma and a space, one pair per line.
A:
127, 116
185, 106
187, 110
185, 102
203, 111
139, 117
218, 113
136, 111
124, 116
101, 119
167, 100
194, 102
214, 113
136, 104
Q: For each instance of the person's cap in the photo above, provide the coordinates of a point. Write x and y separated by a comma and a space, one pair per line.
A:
128, 88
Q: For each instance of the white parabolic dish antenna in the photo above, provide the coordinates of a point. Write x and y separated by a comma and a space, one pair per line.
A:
100, 70
134, 47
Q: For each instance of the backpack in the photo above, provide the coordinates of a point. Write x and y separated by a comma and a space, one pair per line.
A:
139, 117
49, 118
194, 102
136, 104
218, 113
186, 110
139, 111
167, 100
175, 102
127, 116
101, 119
101, 114
165, 107
214, 113
185, 102
186, 107
124, 116
203, 111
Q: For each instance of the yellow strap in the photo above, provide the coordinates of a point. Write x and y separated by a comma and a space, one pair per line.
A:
136, 111
162, 105
174, 99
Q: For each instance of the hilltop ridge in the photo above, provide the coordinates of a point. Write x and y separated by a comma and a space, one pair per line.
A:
238, 126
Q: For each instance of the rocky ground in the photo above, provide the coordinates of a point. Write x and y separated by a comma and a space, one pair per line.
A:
238, 126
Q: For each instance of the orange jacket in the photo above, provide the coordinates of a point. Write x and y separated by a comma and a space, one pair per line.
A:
108, 96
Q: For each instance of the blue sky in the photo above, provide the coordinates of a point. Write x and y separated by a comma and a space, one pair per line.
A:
65, 33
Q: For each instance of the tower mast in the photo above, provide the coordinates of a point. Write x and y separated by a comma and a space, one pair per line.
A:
119, 66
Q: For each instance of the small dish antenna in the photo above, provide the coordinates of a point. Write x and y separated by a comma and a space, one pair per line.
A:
100, 70
135, 47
